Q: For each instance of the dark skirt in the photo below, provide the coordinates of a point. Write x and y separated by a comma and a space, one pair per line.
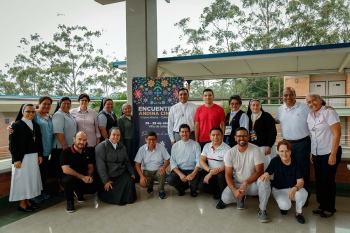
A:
54, 167
123, 192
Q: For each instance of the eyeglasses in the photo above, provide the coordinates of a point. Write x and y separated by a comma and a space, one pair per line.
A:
84, 101
312, 101
29, 111
286, 95
241, 136
232, 104
283, 151
152, 139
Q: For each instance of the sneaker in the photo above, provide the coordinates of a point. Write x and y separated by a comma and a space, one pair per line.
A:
300, 218
221, 205
80, 198
263, 216
241, 203
284, 212
162, 195
150, 190
46, 196
38, 199
70, 207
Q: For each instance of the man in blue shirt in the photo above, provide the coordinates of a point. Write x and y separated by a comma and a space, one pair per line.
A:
184, 163
155, 159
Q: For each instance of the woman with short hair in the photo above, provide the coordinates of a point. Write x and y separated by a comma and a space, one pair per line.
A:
106, 117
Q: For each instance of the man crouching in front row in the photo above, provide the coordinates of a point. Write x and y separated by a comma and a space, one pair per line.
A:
244, 164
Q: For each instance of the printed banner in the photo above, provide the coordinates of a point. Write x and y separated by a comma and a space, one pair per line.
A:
152, 100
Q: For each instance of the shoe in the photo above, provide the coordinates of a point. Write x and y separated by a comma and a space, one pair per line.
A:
325, 215
25, 209
70, 207
161, 195
193, 192
221, 205
300, 218
317, 211
122, 203
46, 196
80, 198
284, 212
263, 216
241, 204
306, 203
38, 199
181, 192
34, 205
217, 197
150, 190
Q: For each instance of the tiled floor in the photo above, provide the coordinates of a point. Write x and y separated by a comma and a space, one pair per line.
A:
177, 214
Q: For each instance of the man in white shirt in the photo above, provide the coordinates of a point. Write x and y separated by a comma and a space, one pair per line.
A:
292, 116
183, 112
212, 163
155, 159
184, 163
244, 164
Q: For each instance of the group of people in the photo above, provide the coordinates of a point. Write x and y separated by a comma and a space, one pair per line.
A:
229, 156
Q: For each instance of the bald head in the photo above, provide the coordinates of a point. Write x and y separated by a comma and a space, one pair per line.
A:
80, 139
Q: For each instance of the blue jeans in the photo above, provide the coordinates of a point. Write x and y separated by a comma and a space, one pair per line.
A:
301, 153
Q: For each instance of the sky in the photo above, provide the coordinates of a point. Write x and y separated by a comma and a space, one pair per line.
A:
19, 19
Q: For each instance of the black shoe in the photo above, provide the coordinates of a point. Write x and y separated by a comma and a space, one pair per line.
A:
70, 207
300, 218
34, 206
181, 192
325, 215
193, 192
221, 205
284, 212
80, 198
25, 209
150, 190
217, 197
317, 211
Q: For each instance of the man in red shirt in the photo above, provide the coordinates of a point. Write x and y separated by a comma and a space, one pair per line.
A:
207, 116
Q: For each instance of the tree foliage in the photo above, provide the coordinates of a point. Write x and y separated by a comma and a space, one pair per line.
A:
67, 65
261, 24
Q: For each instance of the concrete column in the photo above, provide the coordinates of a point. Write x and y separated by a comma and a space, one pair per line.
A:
141, 40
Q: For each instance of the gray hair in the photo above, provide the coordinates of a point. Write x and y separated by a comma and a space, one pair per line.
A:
317, 96
124, 105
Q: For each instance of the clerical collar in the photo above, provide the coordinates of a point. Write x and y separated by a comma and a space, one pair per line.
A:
114, 144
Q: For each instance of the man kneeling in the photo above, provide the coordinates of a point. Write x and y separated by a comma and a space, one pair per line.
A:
155, 159
246, 163
78, 171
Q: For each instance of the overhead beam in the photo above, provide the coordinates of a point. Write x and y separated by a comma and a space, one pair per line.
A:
344, 62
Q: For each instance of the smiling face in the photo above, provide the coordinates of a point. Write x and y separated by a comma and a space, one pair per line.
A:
216, 137
255, 106
184, 134
127, 110
45, 106
289, 97
65, 106
115, 136
108, 106
208, 97
235, 105
151, 142
80, 140
314, 103
242, 138
284, 154
29, 112
83, 103
183, 96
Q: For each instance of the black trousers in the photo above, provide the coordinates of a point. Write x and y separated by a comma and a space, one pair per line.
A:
216, 185
325, 180
72, 184
174, 180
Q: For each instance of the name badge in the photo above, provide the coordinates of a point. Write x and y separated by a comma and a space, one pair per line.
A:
228, 130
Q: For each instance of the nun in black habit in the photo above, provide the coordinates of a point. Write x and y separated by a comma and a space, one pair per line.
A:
27, 150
